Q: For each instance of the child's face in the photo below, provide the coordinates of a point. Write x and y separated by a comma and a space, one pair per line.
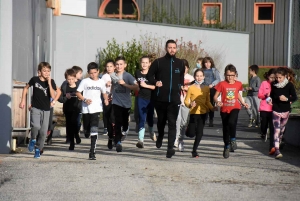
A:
79, 75
280, 78
207, 64
94, 74
110, 67
71, 79
271, 78
199, 76
230, 76
251, 72
120, 65
45, 73
145, 63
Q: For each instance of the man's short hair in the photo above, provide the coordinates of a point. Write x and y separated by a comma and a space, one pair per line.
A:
170, 41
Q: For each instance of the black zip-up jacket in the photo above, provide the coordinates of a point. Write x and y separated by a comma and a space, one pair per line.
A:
170, 71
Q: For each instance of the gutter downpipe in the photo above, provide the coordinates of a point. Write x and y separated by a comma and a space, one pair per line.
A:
289, 59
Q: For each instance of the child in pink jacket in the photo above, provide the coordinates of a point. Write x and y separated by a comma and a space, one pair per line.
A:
265, 108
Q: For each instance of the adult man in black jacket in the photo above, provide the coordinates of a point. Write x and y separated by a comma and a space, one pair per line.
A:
167, 74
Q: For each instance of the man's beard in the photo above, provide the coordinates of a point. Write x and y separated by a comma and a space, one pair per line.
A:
172, 54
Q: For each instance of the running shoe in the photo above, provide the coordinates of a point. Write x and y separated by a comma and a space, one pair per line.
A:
31, 145
37, 153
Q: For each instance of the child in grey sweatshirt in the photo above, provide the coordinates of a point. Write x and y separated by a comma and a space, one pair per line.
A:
252, 97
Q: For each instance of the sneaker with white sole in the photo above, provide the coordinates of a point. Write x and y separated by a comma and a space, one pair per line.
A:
105, 131
124, 134
176, 143
181, 146
278, 154
153, 136
119, 147
37, 153
140, 144
31, 145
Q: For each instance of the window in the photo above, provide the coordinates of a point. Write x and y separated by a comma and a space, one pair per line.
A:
212, 13
112, 8
264, 13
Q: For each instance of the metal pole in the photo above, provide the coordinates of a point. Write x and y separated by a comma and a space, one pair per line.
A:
289, 59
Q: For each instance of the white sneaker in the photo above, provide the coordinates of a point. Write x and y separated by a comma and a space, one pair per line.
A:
176, 143
181, 146
153, 136
124, 134
105, 132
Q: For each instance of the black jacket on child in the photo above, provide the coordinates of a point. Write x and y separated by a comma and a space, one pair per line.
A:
63, 99
170, 71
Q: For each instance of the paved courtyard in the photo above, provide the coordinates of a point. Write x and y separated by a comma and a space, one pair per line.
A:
146, 174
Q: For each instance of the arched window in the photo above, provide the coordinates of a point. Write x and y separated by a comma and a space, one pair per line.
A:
111, 9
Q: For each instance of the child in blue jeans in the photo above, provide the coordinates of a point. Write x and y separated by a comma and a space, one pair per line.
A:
145, 106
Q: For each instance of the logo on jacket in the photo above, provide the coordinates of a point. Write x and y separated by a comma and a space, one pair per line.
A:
177, 70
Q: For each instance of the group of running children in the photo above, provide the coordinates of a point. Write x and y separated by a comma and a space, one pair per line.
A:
200, 95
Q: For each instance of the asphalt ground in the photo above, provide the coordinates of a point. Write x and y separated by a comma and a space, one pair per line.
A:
146, 174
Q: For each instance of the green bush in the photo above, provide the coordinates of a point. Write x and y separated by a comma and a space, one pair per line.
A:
131, 50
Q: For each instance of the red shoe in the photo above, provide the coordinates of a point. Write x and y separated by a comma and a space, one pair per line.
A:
272, 151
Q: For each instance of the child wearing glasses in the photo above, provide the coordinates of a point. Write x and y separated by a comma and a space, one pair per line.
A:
230, 107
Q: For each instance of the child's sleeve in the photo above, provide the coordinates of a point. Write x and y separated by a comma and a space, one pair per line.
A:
103, 87
262, 92
255, 86
187, 100
81, 86
131, 80
53, 85
293, 96
218, 87
31, 82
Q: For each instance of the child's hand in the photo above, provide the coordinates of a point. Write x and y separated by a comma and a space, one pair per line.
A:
143, 84
121, 82
22, 105
109, 97
246, 105
68, 95
219, 103
193, 104
158, 84
269, 101
106, 102
210, 86
49, 79
108, 84
29, 107
88, 101
185, 87
283, 98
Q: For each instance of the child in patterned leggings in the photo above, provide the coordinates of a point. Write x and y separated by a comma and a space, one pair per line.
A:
282, 93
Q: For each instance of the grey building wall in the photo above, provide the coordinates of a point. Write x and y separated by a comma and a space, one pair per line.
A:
31, 37
79, 38
25, 38
268, 43
6, 17
295, 42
